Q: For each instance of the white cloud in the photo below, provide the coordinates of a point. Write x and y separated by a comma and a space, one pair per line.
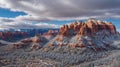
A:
58, 9
47, 10
25, 25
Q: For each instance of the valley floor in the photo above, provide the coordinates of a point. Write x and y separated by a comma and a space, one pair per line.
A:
10, 57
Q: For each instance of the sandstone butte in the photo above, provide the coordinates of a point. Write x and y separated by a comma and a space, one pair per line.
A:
90, 27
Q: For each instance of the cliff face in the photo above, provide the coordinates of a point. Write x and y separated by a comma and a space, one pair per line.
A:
90, 27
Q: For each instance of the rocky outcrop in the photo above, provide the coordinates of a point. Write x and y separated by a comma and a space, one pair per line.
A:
12, 35
90, 27
64, 30
37, 39
93, 34
34, 43
96, 26
50, 33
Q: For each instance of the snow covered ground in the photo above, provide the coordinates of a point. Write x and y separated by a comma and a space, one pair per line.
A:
116, 43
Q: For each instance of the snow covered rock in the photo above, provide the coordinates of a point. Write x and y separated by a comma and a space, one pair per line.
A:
93, 34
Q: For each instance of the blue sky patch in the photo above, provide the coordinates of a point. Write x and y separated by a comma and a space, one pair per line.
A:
10, 14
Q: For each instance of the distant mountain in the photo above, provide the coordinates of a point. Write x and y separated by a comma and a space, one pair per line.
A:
15, 35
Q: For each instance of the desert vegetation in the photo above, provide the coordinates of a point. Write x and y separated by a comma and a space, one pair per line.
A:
60, 57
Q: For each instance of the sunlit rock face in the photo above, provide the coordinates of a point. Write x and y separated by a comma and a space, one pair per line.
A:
93, 34
90, 27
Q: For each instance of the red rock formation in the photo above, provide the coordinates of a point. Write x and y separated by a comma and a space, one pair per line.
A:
51, 45
59, 39
84, 30
82, 45
37, 39
51, 32
11, 35
64, 30
88, 33
91, 27
78, 45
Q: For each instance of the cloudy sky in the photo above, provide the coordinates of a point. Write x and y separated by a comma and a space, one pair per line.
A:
54, 13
